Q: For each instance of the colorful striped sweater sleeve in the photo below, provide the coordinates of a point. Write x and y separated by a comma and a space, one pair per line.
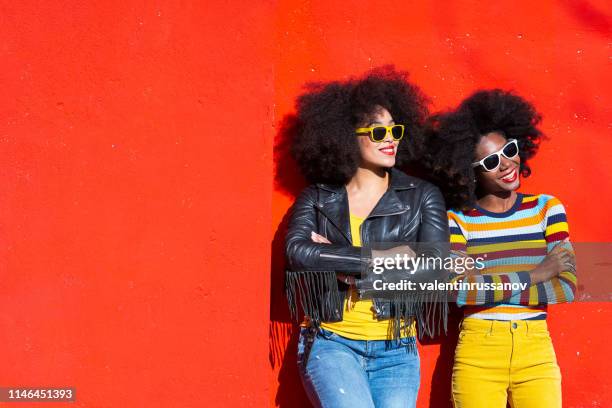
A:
562, 288
512, 246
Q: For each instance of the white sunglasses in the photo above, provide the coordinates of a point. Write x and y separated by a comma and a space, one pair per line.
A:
492, 161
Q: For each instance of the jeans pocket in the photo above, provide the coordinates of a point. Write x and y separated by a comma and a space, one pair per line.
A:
326, 334
538, 332
471, 336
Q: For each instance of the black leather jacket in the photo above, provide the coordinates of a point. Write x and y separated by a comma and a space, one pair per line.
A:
411, 210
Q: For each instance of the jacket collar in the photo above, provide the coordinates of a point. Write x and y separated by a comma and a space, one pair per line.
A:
336, 209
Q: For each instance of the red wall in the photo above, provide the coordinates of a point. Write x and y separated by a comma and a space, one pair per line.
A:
553, 52
135, 194
136, 174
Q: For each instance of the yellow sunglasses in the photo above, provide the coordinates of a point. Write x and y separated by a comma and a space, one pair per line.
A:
378, 133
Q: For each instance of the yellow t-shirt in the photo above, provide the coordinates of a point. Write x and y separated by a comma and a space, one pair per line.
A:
359, 320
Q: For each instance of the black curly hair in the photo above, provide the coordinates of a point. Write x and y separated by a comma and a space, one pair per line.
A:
324, 145
451, 139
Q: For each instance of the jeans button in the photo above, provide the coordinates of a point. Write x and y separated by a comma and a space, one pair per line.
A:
514, 325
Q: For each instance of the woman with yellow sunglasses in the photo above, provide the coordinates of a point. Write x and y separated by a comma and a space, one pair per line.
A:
355, 352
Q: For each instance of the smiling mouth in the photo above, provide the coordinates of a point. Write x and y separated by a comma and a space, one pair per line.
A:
510, 177
389, 151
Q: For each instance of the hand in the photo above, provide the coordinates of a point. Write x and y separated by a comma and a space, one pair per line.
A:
559, 259
319, 239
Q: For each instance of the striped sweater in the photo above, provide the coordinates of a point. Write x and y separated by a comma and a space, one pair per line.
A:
512, 243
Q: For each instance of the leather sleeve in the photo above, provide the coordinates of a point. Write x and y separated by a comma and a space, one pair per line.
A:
434, 232
434, 220
303, 254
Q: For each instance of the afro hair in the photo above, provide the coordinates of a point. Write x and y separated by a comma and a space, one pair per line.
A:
327, 113
451, 138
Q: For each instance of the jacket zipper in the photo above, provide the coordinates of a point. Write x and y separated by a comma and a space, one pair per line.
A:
339, 257
377, 310
386, 215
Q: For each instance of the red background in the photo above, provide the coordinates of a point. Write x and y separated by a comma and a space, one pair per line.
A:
139, 206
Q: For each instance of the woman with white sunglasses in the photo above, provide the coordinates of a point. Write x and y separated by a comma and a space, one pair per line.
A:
479, 153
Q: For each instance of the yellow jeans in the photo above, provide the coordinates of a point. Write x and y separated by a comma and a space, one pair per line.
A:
498, 361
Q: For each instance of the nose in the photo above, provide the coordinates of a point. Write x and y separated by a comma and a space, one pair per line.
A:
504, 163
388, 136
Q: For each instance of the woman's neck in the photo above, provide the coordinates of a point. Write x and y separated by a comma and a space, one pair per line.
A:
368, 180
497, 202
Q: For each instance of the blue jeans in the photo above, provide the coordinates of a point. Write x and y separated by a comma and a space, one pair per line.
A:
341, 372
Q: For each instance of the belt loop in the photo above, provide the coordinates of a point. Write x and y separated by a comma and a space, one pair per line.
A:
526, 328
491, 328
